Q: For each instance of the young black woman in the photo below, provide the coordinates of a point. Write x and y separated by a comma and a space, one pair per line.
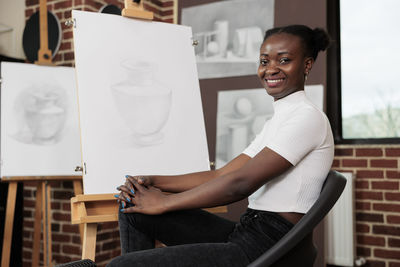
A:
281, 172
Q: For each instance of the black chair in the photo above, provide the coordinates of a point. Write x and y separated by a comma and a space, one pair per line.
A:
296, 248
80, 263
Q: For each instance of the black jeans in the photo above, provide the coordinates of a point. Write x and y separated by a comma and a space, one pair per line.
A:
197, 238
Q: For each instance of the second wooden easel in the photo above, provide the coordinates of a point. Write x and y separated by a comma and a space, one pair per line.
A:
42, 212
44, 53
43, 189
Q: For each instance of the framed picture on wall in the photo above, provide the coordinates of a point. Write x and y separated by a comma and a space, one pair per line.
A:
229, 34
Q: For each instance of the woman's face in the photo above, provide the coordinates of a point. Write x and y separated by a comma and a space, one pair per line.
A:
283, 65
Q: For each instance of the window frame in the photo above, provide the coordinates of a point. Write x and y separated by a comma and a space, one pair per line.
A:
334, 95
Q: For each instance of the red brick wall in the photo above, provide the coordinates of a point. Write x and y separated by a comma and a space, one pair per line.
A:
377, 172
66, 240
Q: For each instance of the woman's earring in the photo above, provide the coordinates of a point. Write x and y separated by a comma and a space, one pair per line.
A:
305, 76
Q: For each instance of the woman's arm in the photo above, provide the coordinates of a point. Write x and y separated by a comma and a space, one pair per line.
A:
230, 187
184, 182
181, 183
177, 183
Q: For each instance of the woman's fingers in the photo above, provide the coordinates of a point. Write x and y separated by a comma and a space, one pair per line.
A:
143, 180
129, 184
130, 209
121, 198
138, 186
127, 190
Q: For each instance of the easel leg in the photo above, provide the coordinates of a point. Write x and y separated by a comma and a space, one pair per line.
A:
37, 226
78, 190
46, 224
89, 241
8, 226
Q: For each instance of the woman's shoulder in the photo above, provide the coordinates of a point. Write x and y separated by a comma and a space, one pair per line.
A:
308, 111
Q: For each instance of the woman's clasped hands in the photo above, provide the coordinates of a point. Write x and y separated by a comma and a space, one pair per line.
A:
139, 195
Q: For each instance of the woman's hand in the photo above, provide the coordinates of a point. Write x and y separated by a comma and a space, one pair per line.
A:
128, 190
142, 180
146, 200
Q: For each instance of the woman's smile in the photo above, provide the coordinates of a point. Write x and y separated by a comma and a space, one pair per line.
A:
274, 82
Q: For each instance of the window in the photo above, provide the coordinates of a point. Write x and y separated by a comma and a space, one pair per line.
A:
365, 66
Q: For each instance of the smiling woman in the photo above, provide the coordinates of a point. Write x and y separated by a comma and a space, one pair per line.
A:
281, 172
283, 65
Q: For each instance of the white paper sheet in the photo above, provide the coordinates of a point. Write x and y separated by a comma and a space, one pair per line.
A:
139, 100
39, 121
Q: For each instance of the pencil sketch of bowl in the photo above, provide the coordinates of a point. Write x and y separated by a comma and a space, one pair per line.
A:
142, 102
43, 112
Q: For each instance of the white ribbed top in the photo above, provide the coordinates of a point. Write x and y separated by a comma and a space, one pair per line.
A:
301, 133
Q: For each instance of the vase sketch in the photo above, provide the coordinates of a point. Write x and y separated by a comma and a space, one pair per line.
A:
142, 102
43, 113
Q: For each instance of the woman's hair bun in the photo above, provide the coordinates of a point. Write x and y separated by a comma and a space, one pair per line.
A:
321, 39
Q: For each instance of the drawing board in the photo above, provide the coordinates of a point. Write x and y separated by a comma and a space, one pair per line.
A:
39, 121
139, 100
241, 115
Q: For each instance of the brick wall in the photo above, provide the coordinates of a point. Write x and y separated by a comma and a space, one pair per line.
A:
163, 11
66, 240
377, 172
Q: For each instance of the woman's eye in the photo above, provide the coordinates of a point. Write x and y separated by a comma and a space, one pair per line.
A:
263, 62
284, 60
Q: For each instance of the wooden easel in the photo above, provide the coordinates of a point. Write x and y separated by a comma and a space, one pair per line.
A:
42, 207
89, 210
44, 53
42, 211
134, 9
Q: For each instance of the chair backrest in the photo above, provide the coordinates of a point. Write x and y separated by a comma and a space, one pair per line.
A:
330, 193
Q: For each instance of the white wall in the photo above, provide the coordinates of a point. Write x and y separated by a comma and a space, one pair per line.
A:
12, 15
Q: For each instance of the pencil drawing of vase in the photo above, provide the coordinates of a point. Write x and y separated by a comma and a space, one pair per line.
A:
44, 113
142, 102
